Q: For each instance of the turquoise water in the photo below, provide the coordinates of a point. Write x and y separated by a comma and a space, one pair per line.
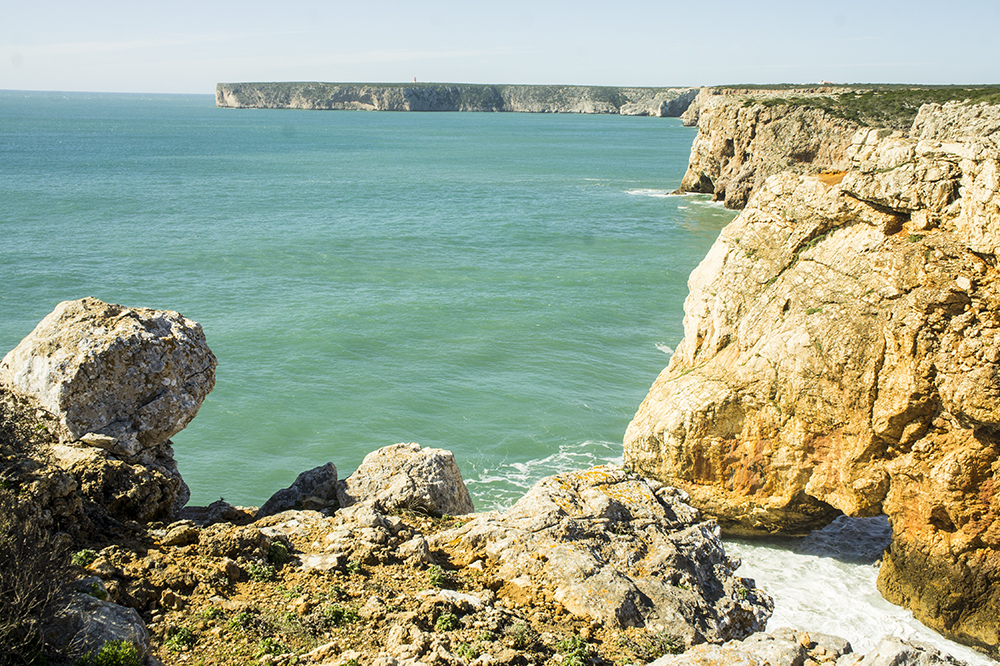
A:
494, 284
500, 285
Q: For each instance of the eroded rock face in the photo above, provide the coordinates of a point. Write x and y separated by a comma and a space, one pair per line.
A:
122, 379
740, 144
840, 354
618, 549
406, 476
109, 385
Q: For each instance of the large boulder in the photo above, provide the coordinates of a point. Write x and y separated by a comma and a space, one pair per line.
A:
109, 385
406, 476
617, 549
122, 379
85, 624
840, 355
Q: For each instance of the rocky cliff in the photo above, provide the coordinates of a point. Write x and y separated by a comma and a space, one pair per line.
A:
840, 353
661, 102
741, 142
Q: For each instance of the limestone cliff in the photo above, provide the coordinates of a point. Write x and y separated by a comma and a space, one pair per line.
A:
741, 142
840, 354
661, 102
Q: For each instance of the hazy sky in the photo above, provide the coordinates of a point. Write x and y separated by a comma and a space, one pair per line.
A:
189, 46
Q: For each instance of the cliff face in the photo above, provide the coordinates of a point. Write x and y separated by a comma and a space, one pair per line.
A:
659, 102
740, 143
840, 354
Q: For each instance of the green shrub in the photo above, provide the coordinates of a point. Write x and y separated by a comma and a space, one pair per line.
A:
574, 650
179, 639
277, 554
271, 646
436, 576
260, 572
112, 653
354, 567
447, 622
338, 615
523, 635
84, 558
653, 646
211, 613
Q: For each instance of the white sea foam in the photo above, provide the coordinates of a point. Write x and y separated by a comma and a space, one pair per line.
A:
646, 192
666, 349
500, 486
826, 583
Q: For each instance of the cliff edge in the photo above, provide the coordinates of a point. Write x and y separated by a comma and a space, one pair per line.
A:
660, 102
840, 355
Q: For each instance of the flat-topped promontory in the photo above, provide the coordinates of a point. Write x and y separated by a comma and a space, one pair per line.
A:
660, 102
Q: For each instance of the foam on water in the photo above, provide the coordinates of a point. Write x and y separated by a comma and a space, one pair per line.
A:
498, 486
826, 583
646, 192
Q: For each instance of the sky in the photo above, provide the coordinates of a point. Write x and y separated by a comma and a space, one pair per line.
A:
188, 46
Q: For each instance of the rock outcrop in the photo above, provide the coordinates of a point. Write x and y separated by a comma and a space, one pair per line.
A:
620, 550
109, 386
660, 102
785, 647
406, 476
840, 354
741, 142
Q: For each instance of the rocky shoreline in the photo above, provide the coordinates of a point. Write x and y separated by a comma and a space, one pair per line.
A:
839, 358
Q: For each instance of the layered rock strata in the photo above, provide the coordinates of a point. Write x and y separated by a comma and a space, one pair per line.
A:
840, 354
661, 102
741, 142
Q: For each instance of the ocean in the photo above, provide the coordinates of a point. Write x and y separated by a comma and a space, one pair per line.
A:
504, 286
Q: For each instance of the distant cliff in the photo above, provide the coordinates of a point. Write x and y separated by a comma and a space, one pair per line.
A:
660, 102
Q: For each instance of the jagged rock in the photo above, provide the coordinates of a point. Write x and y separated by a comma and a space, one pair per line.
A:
840, 354
894, 651
219, 511
86, 623
782, 647
315, 489
619, 549
740, 144
233, 541
121, 379
406, 476
785, 647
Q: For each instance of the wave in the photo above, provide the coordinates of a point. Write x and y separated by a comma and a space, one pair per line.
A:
500, 486
646, 192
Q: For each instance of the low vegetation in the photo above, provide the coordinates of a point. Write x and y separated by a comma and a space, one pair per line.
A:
892, 107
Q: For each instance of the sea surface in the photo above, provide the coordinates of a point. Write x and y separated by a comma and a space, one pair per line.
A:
505, 286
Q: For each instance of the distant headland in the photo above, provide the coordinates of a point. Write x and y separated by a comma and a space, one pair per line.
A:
660, 102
